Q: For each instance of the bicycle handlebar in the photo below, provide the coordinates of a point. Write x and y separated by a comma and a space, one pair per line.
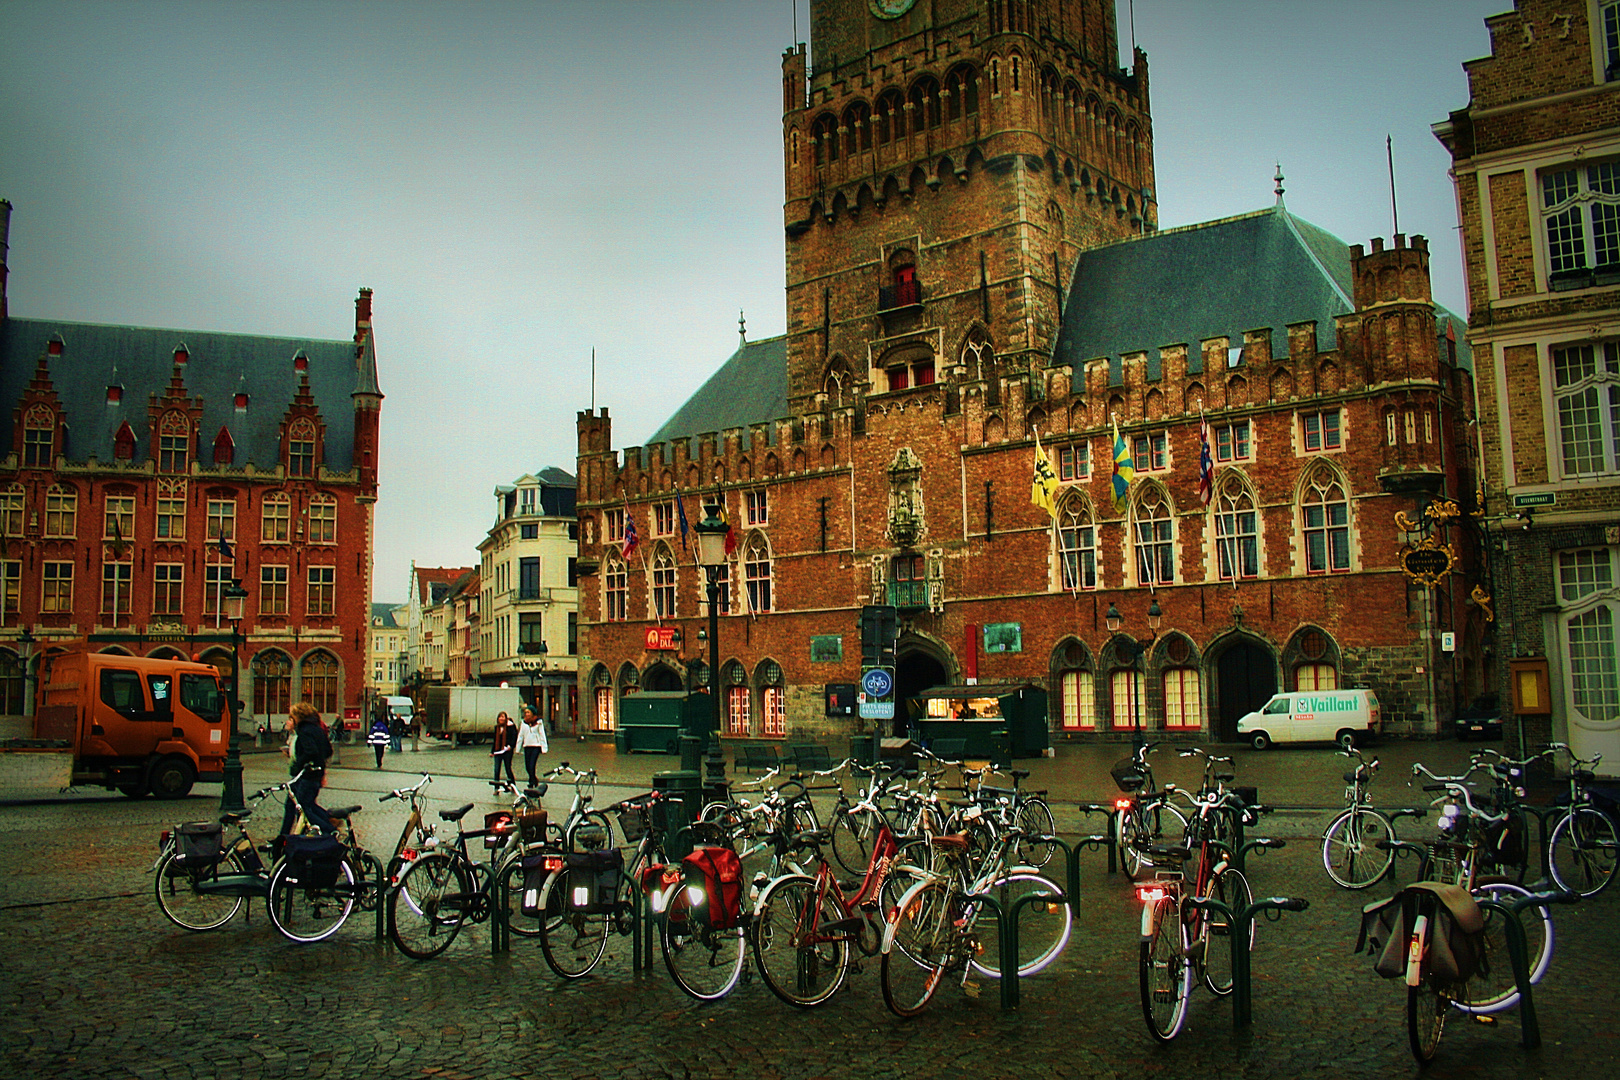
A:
400, 793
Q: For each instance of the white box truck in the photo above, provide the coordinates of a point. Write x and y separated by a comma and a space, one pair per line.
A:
467, 713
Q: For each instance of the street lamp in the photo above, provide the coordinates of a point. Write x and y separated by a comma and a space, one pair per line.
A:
230, 795
25, 649
1135, 650
711, 555
534, 666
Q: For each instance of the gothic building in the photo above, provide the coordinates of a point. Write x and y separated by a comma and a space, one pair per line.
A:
975, 277
145, 471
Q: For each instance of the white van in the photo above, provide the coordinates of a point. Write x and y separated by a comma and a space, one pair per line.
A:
1342, 716
401, 707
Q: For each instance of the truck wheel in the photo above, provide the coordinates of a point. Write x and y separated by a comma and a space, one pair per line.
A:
1260, 740
1347, 740
171, 778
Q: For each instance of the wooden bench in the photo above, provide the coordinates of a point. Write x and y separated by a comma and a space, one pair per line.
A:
807, 757
757, 757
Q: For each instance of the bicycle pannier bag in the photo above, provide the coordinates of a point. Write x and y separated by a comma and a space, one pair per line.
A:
659, 883
1506, 840
536, 868
199, 844
313, 861
1456, 950
593, 879
719, 872
532, 826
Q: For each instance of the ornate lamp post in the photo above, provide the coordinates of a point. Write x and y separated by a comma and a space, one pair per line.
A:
230, 796
25, 651
1135, 650
711, 554
534, 666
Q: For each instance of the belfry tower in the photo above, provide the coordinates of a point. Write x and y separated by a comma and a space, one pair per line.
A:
946, 161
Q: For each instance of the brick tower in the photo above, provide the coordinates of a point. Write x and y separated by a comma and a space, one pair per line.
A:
946, 161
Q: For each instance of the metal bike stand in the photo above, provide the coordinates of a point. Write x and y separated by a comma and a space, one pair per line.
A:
500, 927
1519, 954
1240, 856
641, 931
382, 902
1110, 839
1007, 920
1242, 1007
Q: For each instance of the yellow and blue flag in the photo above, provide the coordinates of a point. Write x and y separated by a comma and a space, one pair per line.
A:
1124, 471
1043, 486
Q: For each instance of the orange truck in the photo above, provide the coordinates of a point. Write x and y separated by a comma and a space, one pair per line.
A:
135, 724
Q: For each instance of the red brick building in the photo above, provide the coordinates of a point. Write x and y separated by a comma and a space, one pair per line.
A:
973, 261
145, 470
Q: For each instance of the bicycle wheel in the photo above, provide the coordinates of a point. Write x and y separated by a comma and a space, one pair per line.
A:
1232, 889
853, 833
1043, 925
1035, 818
1492, 988
571, 938
1581, 851
305, 913
178, 893
425, 911
918, 946
801, 963
705, 962
368, 871
1140, 829
1164, 976
1426, 1009
1350, 852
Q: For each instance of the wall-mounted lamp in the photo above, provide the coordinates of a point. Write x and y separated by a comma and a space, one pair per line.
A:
1525, 518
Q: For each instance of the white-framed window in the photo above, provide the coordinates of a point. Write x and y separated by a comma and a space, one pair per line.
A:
56, 592
119, 519
12, 500
1591, 606
1183, 699
1316, 677
221, 519
1079, 700
1582, 572
616, 592
1074, 462
1232, 442
737, 710
275, 514
171, 509
61, 511
215, 577
168, 588
756, 507
663, 584
116, 578
1608, 40
1237, 541
272, 589
322, 590
1586, 391
1127, 693
663, 519
1320, 430
1580, 209
1150, 453
774, 703
1077, 546
11, 586
1155, 546
757, 575
613, 525
1326, 516
323, 519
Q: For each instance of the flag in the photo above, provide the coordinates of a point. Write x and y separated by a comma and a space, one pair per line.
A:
119, 548
731, 532
1043, 485
632, 539
225, 551
1124, 471
1206, 464
680, 512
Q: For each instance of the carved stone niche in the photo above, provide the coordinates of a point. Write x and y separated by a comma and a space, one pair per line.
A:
905, 499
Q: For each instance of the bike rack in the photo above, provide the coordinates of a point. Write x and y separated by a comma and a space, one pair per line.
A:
1240, 855
1240, 922
1110, 839
1007, 921
1518, 953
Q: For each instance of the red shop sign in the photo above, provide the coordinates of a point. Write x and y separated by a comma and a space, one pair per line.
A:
667, 638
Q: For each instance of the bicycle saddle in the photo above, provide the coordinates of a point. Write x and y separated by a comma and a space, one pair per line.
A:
455, 815
341, 813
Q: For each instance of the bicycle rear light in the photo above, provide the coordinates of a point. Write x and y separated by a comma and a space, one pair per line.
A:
554, 863
1124, 804
1150, 894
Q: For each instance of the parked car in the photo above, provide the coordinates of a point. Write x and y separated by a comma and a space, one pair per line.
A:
1481, 720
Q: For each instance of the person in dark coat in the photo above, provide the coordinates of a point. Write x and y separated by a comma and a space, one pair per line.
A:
309, 751
505, 744
377, 738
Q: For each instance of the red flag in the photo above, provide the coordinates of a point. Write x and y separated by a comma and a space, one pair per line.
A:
632, 539
731, 531
1206, 464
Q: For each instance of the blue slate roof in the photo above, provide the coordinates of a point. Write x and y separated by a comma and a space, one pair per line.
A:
1215, 279
141, 360
749, 388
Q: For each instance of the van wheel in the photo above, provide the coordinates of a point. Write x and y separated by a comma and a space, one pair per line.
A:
1347, 740
1260, 740
171, 778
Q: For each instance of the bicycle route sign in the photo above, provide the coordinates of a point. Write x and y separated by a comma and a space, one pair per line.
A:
877, 694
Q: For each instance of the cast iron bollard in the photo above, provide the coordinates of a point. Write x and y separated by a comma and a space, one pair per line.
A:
500, 928
1239, 923
1518, 950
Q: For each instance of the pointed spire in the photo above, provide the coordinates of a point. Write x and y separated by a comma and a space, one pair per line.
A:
1279, 180
365, 353
742, 326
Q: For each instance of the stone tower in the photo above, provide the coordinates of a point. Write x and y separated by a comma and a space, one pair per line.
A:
946, 161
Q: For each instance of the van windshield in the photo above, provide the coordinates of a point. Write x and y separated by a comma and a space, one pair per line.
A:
1278, 706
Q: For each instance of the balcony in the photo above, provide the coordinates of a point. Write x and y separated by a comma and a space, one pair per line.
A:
540, 595
902, 295
908, 595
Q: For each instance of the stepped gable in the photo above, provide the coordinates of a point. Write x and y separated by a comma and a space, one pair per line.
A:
218, 367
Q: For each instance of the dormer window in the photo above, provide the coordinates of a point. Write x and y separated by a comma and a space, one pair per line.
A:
224, 448
174, 439
301, 449
39, 437
124, 444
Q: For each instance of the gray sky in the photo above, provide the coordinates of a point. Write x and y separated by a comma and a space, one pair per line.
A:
522, 182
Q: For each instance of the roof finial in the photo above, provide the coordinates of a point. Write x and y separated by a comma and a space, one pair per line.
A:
742, 326
1279, 179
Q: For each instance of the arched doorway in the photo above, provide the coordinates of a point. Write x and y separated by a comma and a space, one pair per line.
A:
661, 677
918, 667
1248, 677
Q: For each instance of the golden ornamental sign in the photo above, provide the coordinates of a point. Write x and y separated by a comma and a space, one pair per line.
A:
1428, 562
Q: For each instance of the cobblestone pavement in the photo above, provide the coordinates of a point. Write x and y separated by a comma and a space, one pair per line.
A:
98, 984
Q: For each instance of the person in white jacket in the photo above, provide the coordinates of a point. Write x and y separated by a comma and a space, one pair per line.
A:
531, 739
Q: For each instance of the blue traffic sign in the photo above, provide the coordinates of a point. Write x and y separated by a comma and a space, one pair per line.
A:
877, 683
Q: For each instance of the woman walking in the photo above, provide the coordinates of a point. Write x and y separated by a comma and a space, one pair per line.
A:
505, 741
378, 738
531, 739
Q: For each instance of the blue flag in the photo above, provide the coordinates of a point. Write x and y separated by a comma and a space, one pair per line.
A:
680, 511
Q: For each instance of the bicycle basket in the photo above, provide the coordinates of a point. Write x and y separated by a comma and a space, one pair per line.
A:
499, 826
532, 826
199, 844
634, 820
1128, 775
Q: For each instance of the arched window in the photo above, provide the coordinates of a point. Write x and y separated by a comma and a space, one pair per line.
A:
1237, 547
925, 104
857, 128
663, 583
773, 700
756, 562
824, 135
891, 117
318, 681
275, 515
962, 93
272, 683
1316, 677
734, 681
61, 511
1077, 545
301, 448
1183, 699
616, 591
978, 358
1155, 548
1126, 684
1326, 518
39, 437
174, 443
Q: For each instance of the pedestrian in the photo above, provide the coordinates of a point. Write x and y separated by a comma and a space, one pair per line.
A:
378, 738
531, 739
505, 741
309, 749
396, 730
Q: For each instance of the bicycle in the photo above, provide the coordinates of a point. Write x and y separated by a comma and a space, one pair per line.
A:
319, 880
447, 888
933, 930
1580, 853
1028, 809
1181, 940
1145, 814
582, 828
414, 837
1351, 854
201, 881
